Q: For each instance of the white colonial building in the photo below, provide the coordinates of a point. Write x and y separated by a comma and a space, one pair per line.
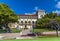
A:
27, 20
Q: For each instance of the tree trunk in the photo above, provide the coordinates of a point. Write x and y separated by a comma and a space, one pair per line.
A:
57, 31
0, 26
7, 28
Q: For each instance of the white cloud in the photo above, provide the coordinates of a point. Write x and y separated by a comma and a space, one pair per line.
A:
36, 8
27, 13
57, 11
30, 13
58, 5
55, 0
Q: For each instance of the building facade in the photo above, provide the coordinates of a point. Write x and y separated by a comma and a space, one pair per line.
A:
28, 20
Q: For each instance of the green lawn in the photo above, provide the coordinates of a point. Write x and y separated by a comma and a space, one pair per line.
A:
42, 30
13, 30
40, 39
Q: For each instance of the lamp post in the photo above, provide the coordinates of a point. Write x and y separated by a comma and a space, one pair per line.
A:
33, 26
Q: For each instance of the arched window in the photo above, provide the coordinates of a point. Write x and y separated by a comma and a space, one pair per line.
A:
29, 21
25, 25
25, 21
33, 22
41, 16
22, 22
36, 22
17, 21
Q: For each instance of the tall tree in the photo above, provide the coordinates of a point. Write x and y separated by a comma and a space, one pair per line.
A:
7, 16
51, 20
44, 21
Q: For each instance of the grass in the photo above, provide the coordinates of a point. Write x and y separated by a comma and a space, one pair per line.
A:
42, 30
2, 31
40, 39
13, 30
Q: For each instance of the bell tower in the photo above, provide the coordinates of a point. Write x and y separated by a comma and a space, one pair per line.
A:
40, 13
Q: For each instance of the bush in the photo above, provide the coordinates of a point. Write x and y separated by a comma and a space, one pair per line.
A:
2, 31
14, 30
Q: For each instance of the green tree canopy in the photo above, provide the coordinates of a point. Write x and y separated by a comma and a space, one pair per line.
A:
44, 21
7, 16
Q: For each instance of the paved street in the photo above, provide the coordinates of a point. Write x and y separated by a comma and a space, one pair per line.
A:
14, 35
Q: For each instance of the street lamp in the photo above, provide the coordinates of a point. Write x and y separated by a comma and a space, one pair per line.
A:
33, 26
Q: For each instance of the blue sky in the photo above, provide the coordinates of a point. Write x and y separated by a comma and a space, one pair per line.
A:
30, 6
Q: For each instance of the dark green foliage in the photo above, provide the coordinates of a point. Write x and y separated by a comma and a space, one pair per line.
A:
13, 30
7, 16
45, 21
